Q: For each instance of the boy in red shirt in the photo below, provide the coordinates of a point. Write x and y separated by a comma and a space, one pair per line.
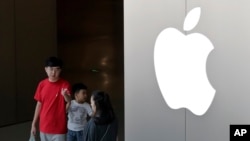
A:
51, 95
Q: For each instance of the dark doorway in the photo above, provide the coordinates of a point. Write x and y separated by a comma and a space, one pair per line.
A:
90, 42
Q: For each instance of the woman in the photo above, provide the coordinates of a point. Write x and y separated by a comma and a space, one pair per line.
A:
103, 125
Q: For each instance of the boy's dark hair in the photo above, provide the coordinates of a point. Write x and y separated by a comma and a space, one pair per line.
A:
77, 87
53, 62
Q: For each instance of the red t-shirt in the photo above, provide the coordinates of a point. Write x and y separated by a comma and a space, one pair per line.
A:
52, 113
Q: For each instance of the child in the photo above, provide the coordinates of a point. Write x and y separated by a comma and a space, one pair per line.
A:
51, 95
78, 111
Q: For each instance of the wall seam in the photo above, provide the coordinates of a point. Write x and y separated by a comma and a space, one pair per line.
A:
185, 32
15, 61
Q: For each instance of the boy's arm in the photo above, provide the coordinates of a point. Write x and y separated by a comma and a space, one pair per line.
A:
35, 118
90, 111
67, 98
66, 95
67, 106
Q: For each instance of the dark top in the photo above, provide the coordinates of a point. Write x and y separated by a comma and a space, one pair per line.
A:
106, 132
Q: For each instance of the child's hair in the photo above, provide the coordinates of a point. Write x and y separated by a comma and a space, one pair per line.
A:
77, 87
104, 106
53, 62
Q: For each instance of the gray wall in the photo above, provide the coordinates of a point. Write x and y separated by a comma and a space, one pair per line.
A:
27, 38
226, 24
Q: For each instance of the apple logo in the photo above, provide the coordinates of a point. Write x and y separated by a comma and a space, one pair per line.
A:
180, 67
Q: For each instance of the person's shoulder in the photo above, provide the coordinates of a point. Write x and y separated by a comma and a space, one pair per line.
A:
86, 104
64, 80
43, 82
73, 102
87, 107
90, 126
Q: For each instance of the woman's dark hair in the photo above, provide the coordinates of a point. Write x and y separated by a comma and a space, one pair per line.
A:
103, 107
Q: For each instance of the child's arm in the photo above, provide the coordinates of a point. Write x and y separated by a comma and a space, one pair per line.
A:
90, 111
67, 106
67, 98
66, 94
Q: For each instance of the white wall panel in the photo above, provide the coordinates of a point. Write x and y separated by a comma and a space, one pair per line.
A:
147, 117
226, 23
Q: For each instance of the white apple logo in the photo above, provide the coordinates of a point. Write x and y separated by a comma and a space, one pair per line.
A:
180, 66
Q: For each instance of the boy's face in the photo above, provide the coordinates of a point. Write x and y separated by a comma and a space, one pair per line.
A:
81, 96
53, 73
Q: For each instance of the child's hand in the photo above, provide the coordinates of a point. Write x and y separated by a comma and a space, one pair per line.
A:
64, 91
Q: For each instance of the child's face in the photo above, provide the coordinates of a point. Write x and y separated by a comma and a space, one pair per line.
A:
53, 73
81, 96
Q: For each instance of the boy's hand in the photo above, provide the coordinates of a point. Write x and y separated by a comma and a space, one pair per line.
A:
65, 93
33, 131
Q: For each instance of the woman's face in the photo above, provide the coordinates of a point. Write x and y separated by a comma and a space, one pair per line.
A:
92, 103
